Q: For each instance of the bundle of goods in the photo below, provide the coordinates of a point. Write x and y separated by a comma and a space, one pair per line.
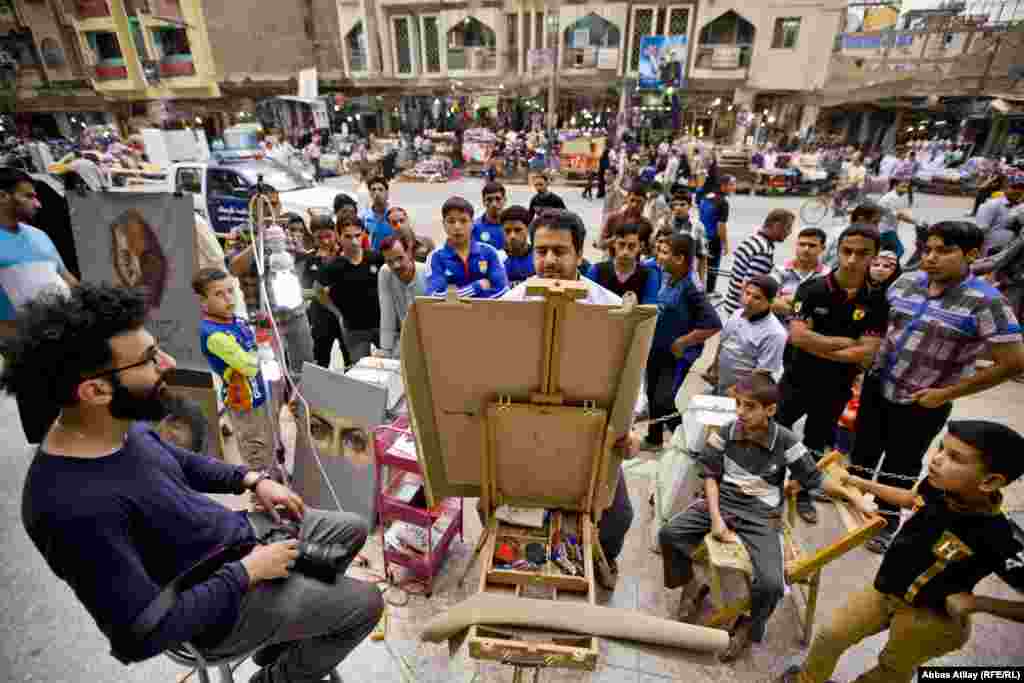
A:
436, 169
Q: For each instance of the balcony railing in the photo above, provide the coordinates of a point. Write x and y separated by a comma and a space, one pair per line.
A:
110, 72
177, 65
579, 58
92, 9
723, 57
357, 60
480, 59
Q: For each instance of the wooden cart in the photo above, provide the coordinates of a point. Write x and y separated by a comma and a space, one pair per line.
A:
535, 430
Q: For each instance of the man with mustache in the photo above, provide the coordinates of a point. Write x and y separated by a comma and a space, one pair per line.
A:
557, 237
118, 513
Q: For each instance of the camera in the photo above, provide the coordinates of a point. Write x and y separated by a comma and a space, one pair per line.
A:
316, 560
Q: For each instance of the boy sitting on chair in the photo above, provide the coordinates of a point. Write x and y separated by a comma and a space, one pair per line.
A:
957, 536
744, 469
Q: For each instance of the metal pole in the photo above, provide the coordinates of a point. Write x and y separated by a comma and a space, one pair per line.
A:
553, 31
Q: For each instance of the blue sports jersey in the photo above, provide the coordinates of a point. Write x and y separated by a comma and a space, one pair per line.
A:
483, 262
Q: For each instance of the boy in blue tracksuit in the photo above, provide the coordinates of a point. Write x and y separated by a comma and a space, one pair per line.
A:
473, 267
685, 321
518, 262
487, 228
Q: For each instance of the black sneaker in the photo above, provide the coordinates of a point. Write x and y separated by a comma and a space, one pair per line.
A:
880, 543
268, 654
805, 508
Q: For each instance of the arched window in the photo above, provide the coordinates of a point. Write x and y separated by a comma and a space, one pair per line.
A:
726, 43
471, 32
355, 44
592, 31
53, 55
728, 29
468, 33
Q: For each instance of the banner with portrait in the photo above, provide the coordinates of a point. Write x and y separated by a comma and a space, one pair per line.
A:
133, 239
662, 62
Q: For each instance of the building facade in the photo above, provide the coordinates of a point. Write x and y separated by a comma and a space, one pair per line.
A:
741, 55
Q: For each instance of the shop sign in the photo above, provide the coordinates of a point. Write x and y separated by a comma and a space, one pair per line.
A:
541, 59
608, 58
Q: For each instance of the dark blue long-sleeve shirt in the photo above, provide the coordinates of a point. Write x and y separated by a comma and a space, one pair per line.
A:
120, 527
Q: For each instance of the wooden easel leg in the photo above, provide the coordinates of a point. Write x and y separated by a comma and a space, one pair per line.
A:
812, 605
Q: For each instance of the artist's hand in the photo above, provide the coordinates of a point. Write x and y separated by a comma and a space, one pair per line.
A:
721, 531
627, 447
930, 398
679, 347
961, 605
866, 505
271, 561
271, 494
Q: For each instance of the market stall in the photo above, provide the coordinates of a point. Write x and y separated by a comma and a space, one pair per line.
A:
478, 145
580, 153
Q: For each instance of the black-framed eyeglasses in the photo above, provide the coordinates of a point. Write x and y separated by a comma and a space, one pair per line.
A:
151, 356
496, 199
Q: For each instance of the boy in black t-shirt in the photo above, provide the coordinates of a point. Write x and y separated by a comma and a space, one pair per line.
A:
351, 285
957, 536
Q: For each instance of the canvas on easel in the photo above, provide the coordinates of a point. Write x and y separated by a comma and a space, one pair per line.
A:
520, 403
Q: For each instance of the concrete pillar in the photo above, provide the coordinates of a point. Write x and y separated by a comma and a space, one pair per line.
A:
384, 33
521, 42
808, 119
865, 128
742, 101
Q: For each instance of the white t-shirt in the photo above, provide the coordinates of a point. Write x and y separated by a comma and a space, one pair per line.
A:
891, 202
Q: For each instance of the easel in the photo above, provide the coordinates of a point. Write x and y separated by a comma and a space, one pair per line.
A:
536, 431
802, 570
547, 403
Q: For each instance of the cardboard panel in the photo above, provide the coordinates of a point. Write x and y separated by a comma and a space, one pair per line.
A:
457, 358
545, 453
350, 403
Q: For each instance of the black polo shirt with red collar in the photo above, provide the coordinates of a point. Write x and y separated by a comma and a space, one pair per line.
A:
827, 309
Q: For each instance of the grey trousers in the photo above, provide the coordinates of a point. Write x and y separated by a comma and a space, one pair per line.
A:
298, 343
682, 534
325, 622
358, 342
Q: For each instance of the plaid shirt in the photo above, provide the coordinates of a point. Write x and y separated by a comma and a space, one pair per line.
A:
932, 342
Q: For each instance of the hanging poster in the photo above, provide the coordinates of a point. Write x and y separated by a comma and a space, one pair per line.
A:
144, 240
662, 62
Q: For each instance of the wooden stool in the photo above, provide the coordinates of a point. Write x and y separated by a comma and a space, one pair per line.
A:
721, 556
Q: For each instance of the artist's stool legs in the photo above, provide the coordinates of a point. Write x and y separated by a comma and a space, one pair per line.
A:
519, 674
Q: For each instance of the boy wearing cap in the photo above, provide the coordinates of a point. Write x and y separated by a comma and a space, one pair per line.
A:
956, 536
473, 267
753, 340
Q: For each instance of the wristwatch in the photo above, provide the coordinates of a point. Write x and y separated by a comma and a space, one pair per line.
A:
262, 475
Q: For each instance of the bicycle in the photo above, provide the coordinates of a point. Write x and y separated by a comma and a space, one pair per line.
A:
816, 208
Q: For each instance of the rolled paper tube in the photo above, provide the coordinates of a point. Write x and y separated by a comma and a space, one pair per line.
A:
581, 618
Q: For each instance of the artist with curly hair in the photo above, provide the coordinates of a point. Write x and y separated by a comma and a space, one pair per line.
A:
119, 513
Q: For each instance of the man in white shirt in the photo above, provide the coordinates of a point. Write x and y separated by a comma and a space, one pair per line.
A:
557, 237
895, 205
994, 215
